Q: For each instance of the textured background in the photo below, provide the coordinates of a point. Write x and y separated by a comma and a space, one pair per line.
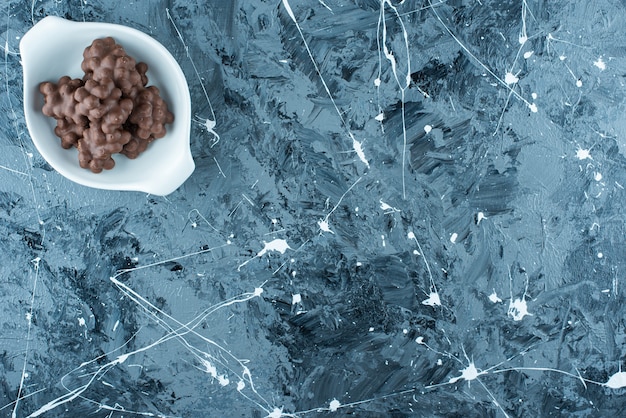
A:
440, 235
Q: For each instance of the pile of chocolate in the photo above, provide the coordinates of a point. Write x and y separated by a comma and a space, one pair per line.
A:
110, 110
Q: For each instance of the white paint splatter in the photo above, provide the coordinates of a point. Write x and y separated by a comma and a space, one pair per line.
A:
358, 148
295, 299
494, 297
428, 128
209, 125
600, 64
223, 380
433, 300
209, 368
279, 245
276, 413
523, 36
324, 226
617, 381
510, 78
583, 154
454, 237
388, 208
334, 405
469, 373
518, 309
121, 359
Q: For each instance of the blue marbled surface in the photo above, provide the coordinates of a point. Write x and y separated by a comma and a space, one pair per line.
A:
413, 209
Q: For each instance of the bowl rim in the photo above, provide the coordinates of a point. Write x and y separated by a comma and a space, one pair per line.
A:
163, 170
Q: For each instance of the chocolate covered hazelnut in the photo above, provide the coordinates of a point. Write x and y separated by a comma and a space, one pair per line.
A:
105, 59
69, 132
150, 114
96, 147
59, 99
135, 147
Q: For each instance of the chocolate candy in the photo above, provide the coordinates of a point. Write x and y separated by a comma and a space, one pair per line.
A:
69, 132
60, 102
110, 110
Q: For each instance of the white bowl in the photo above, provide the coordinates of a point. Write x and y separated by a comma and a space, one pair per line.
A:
54, 48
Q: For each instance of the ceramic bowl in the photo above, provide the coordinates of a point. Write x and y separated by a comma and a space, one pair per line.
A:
53, 48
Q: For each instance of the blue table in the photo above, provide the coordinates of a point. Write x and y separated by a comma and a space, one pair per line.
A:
398, 209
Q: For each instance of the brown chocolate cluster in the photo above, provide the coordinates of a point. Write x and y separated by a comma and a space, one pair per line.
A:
110, 110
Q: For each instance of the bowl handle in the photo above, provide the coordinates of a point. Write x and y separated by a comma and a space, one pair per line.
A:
31, 41
172, 177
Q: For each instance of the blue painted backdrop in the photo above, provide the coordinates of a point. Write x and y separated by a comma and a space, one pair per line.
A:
399, 209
